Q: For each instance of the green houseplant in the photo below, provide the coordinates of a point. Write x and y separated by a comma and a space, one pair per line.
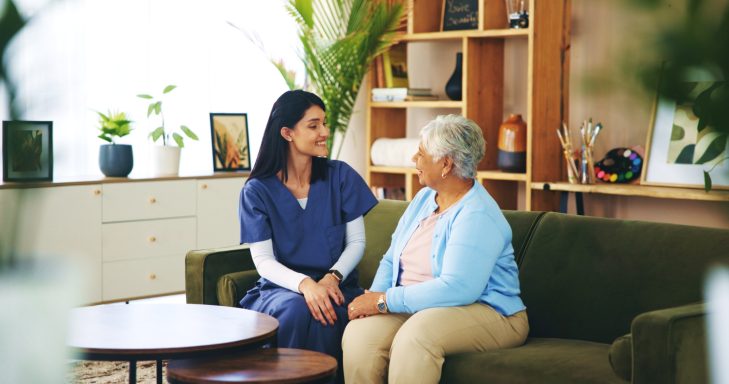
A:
115, 160
340, 38
694, 41
165, 158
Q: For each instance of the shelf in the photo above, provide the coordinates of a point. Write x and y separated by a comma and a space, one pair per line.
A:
457, 35
499, 175
635, 190
417, 104
393, 170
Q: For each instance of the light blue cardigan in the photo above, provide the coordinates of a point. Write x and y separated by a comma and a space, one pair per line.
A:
471, 257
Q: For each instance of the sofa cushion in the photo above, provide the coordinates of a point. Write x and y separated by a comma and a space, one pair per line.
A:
522, 226
621, 356
586, 278
538, 361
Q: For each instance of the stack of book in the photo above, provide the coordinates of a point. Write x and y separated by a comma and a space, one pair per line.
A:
402, 94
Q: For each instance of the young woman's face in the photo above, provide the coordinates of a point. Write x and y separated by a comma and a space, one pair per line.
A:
429, 171
309, 135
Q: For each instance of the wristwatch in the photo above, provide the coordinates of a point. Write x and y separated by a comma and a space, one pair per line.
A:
336, 274
381, 304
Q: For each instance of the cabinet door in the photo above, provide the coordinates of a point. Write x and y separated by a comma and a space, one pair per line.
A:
63, 222
149, 200
217, 212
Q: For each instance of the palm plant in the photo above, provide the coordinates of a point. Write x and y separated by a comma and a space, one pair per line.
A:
340, 38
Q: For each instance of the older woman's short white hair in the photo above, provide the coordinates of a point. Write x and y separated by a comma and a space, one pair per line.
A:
456, 137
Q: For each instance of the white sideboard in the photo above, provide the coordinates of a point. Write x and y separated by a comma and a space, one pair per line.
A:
129, 237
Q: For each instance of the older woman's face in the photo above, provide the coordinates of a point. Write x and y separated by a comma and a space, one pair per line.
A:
429, 171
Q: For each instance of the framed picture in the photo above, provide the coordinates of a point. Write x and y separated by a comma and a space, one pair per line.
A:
678, 150
27, 150
229, 133
459, 15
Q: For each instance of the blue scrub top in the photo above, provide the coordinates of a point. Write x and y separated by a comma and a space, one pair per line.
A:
307, 240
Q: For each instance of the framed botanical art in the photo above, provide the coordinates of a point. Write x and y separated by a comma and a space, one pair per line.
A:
229, 133
681, 146
27, 150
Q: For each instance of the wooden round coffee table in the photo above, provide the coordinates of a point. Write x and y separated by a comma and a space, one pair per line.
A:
268, 365
136, 332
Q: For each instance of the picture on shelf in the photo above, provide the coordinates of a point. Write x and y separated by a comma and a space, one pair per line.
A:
459, 15
229, 133
395, 63
27, 150
681, 146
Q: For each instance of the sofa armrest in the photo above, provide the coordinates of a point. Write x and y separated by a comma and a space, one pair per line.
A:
669, 345
233, 286
204, 267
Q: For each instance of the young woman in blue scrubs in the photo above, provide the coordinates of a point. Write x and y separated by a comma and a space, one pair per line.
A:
302, 216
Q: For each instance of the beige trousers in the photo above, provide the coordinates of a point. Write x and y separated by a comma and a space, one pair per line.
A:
403, 348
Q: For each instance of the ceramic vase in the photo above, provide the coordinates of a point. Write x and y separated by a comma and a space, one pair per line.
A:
116, 160
165, 160
512, 144
453, 88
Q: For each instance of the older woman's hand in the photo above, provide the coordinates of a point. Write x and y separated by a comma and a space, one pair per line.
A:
364, 305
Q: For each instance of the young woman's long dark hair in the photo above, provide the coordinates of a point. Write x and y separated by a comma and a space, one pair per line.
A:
286, 112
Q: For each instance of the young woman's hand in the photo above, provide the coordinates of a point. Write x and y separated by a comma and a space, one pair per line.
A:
332, 285
317, 299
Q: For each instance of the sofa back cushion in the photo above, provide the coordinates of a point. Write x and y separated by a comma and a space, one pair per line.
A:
587, 278
381, 221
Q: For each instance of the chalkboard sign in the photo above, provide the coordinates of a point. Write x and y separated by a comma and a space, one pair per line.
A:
460, 14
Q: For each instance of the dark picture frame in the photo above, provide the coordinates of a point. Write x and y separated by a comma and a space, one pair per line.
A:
27, 150
229, 137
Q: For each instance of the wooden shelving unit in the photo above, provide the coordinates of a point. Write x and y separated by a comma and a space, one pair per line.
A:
635, 190
483, 85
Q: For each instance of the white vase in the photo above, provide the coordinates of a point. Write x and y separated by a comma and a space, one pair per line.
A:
165, 160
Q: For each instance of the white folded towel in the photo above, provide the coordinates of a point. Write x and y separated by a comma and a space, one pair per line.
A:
394, 152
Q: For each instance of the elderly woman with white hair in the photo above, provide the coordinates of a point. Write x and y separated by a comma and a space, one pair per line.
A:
449, 282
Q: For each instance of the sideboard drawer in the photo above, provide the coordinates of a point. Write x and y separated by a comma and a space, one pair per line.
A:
143, 277
148, 200
145, 239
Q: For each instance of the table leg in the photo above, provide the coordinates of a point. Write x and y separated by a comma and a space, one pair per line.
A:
579, 204
563, 196
132, 372
159, 371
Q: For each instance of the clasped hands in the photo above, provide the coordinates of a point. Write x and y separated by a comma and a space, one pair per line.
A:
319, 296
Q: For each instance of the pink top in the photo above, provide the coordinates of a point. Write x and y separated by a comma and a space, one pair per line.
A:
415, 258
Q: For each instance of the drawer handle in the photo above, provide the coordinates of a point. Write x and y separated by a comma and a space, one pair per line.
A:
204, 186
152, 276
152, 200
152, 239
97, 192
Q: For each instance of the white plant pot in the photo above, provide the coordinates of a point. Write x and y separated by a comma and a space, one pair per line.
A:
165, 160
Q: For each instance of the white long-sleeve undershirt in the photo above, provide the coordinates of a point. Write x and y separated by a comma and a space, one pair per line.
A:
269, 268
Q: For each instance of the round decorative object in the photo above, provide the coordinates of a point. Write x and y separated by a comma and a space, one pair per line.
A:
620, 165
512, 144
453, 87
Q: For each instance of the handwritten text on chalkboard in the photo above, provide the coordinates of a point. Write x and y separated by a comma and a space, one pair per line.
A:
460, 14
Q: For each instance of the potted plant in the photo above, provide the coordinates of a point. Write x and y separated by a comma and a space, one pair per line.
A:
165, 157
339, 45
115, 160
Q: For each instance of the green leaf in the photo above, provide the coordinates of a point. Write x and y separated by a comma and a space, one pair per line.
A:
707, 181
158, 107
157, 133
150, 109
178, 139
142, 96
188, 132
169, 88
104, 137
714, 150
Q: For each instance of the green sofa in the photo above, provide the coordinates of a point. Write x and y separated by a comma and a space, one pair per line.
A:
609, 301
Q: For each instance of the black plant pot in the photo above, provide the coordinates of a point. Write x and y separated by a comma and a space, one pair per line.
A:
116, 160
453, 87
